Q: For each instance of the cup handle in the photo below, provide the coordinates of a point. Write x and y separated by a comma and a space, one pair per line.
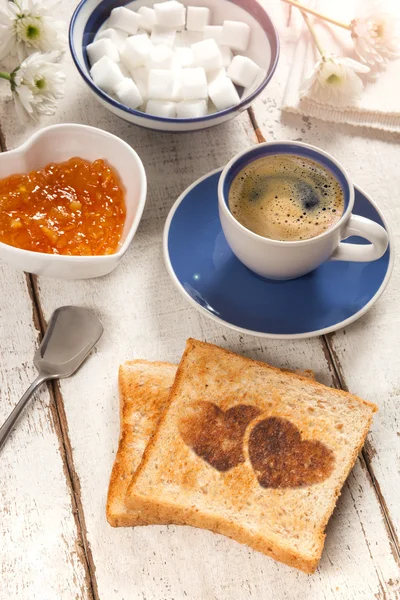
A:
367, 229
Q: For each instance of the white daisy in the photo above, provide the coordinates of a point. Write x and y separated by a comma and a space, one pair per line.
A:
375, 35
37, 84
27, 26
334, 81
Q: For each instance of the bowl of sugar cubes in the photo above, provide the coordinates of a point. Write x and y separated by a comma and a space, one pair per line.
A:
174, 66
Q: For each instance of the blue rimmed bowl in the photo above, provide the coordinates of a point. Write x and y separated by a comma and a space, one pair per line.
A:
90, 16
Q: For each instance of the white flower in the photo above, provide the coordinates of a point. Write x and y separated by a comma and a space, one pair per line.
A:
334, 81
27, 26
375, 35
37, 84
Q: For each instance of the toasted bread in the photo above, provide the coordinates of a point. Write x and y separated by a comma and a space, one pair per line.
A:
252, 452
143, 389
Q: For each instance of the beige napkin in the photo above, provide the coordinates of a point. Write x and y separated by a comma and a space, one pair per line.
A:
379, 105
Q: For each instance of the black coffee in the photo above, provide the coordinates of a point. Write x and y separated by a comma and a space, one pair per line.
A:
286, 197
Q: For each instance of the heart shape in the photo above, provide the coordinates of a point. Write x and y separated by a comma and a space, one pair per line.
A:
281, 459
216, 435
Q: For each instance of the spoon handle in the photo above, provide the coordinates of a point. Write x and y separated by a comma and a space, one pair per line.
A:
7, 426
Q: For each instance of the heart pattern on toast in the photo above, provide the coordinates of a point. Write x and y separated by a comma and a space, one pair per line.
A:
215, 435
281, 459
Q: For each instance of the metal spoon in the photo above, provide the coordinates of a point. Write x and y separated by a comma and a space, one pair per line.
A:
70, 336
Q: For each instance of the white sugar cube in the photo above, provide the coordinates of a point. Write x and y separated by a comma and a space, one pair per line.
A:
235, 34
194, 83
197, 18
215, 74
125, 19
161, 108
106, 74
213, 32
184, 56
190, 109
170, 13
223, 93
127, 92
177, 94
161, 84
162, 35
141, 78
161, 57
243, 70
207, 55
117, 36
227, 55
184, 39
262, 73
136, 51
104, 47
147, 17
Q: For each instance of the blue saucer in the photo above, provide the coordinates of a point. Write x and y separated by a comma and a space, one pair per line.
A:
209, 275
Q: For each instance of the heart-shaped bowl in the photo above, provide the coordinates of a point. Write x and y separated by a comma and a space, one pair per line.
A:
58, 143
90, 16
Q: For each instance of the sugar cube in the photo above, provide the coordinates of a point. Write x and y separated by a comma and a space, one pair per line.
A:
213, 32
262, 73
215, 74
125, 19
235, 34
243, 70
184, 39
177, 94
128, 93
207, 54
227, 55
161, 84
104, 47
190, 109
147, 17
194, 83
106, 74
136, 51
161, 108
160, 57
170, 13
184, 56
223, 93
197, 18
141, 77
117, 36
162, 35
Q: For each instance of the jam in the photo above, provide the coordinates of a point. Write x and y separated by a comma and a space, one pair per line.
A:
75, 208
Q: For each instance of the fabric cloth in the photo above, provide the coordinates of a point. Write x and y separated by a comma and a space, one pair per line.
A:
379, 104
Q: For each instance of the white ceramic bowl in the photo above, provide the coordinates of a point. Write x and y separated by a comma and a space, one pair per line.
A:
90, 16
59, 143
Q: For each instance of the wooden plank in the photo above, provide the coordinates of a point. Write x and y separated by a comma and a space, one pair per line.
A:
41, 556
144, 316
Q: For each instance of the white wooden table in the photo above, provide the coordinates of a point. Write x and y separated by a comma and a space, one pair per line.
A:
55, 542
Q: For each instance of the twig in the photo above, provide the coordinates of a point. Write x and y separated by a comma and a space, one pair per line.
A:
318, 14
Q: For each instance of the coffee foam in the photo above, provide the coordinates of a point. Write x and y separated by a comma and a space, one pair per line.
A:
286, 197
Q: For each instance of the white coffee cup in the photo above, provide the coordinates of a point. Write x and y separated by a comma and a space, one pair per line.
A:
275, 259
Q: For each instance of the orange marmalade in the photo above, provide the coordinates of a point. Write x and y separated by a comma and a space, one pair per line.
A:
75, 208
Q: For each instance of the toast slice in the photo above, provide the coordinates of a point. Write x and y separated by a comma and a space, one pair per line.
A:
144, 388
252, 452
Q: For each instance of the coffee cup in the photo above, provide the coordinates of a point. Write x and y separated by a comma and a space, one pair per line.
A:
282, 259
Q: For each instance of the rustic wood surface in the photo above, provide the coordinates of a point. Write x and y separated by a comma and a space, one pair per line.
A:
55, 540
